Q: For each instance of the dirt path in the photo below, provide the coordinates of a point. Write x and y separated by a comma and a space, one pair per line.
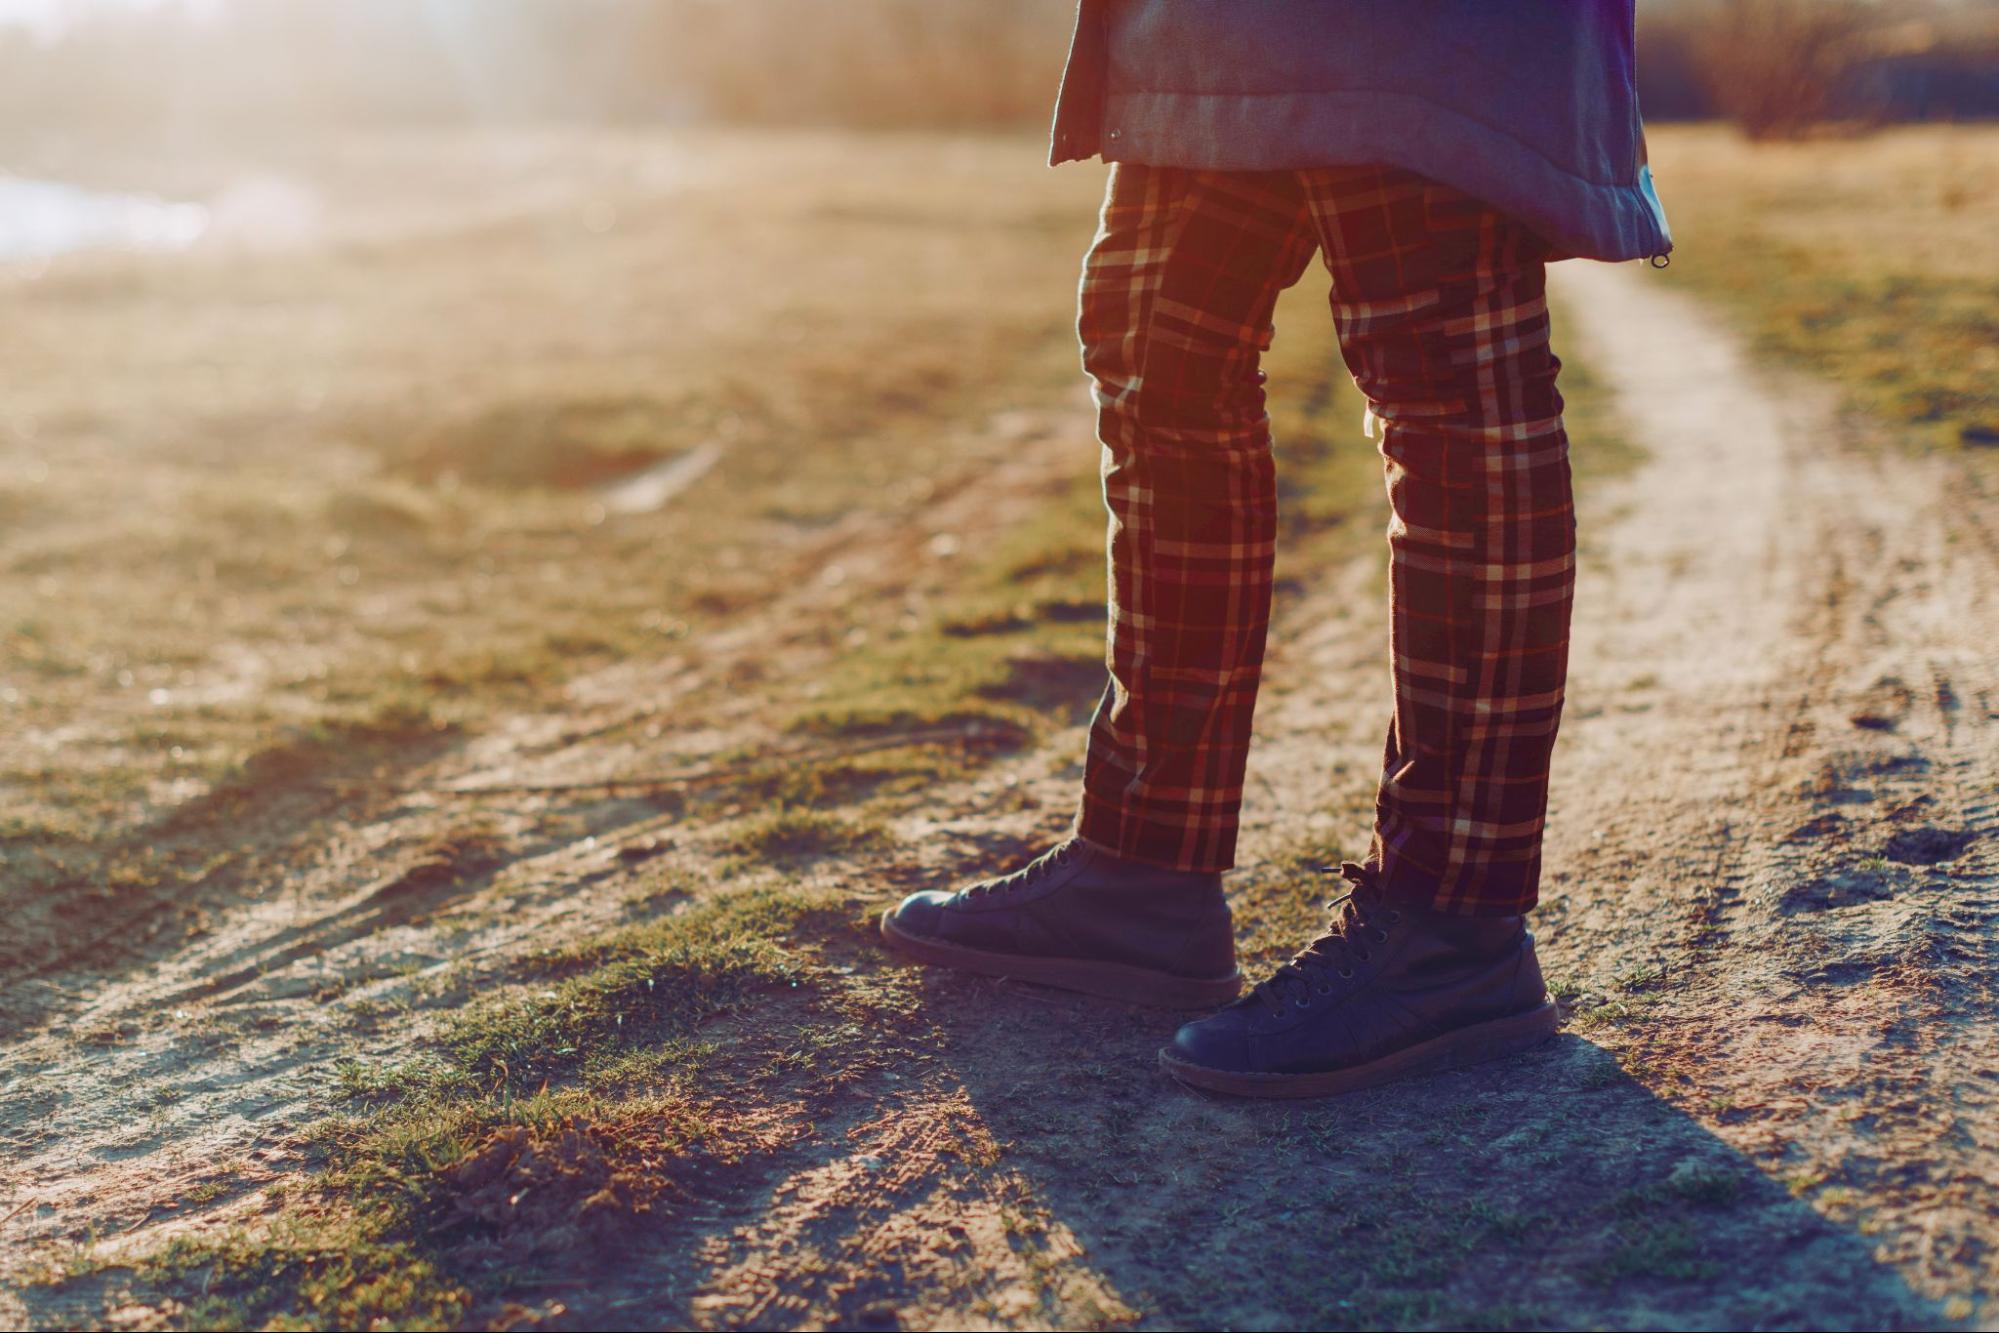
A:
1774, 858
1772, 913
1782, 791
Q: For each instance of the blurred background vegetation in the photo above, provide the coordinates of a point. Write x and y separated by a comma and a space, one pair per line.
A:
1775, 67
849, 62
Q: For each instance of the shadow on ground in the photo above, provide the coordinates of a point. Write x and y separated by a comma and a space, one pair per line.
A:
1553, 1190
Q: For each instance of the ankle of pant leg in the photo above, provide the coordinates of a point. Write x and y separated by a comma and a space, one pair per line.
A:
1102, 847
1508, 892
1400, 881
1150, 844
1125, 859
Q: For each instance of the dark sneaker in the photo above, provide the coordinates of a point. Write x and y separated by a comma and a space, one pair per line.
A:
1082, 919
1389, 991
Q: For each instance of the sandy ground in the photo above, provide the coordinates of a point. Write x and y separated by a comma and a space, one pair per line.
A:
1774, 853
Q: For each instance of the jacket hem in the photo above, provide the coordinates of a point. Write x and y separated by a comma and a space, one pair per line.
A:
1289, 131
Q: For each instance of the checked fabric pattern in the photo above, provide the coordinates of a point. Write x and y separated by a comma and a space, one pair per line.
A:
1440, 308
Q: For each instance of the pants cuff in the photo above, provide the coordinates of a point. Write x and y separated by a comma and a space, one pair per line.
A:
1162, 846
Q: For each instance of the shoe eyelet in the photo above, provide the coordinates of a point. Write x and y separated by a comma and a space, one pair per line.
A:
1347, 972
1363, 957
1303, 1002
1322, 990
1394, 917
1381, 936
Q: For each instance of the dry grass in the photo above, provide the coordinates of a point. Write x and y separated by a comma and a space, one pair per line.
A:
836, 310
342, 506
252, 493
1872, 262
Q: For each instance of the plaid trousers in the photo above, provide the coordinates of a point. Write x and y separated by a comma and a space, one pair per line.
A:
1442, 318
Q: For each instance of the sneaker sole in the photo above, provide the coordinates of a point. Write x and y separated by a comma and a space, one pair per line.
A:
1453, 1050
1114, 981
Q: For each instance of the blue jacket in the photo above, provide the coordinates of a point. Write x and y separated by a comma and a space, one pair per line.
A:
1526, 104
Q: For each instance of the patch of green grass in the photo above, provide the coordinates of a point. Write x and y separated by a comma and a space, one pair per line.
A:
1599, 1072
1707, 1184
1651, 1233
1616, 1013
837, 782
425, 1213
1039, 595
909, 690
646, 986
1506, 1315
373, 1081
205, 1191
1896, 342
1637, 977
577, 1091
1401, 1255
1668, 1248
1871, 263
790, 836
307, 1275
1637, 993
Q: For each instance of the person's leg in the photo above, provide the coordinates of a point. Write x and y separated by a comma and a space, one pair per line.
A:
1177, 297
1427, 964
1442, 316
1176, 303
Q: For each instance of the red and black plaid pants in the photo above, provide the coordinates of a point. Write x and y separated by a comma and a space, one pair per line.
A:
1440, 308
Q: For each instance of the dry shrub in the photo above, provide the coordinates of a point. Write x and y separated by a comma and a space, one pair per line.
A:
1778, 68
